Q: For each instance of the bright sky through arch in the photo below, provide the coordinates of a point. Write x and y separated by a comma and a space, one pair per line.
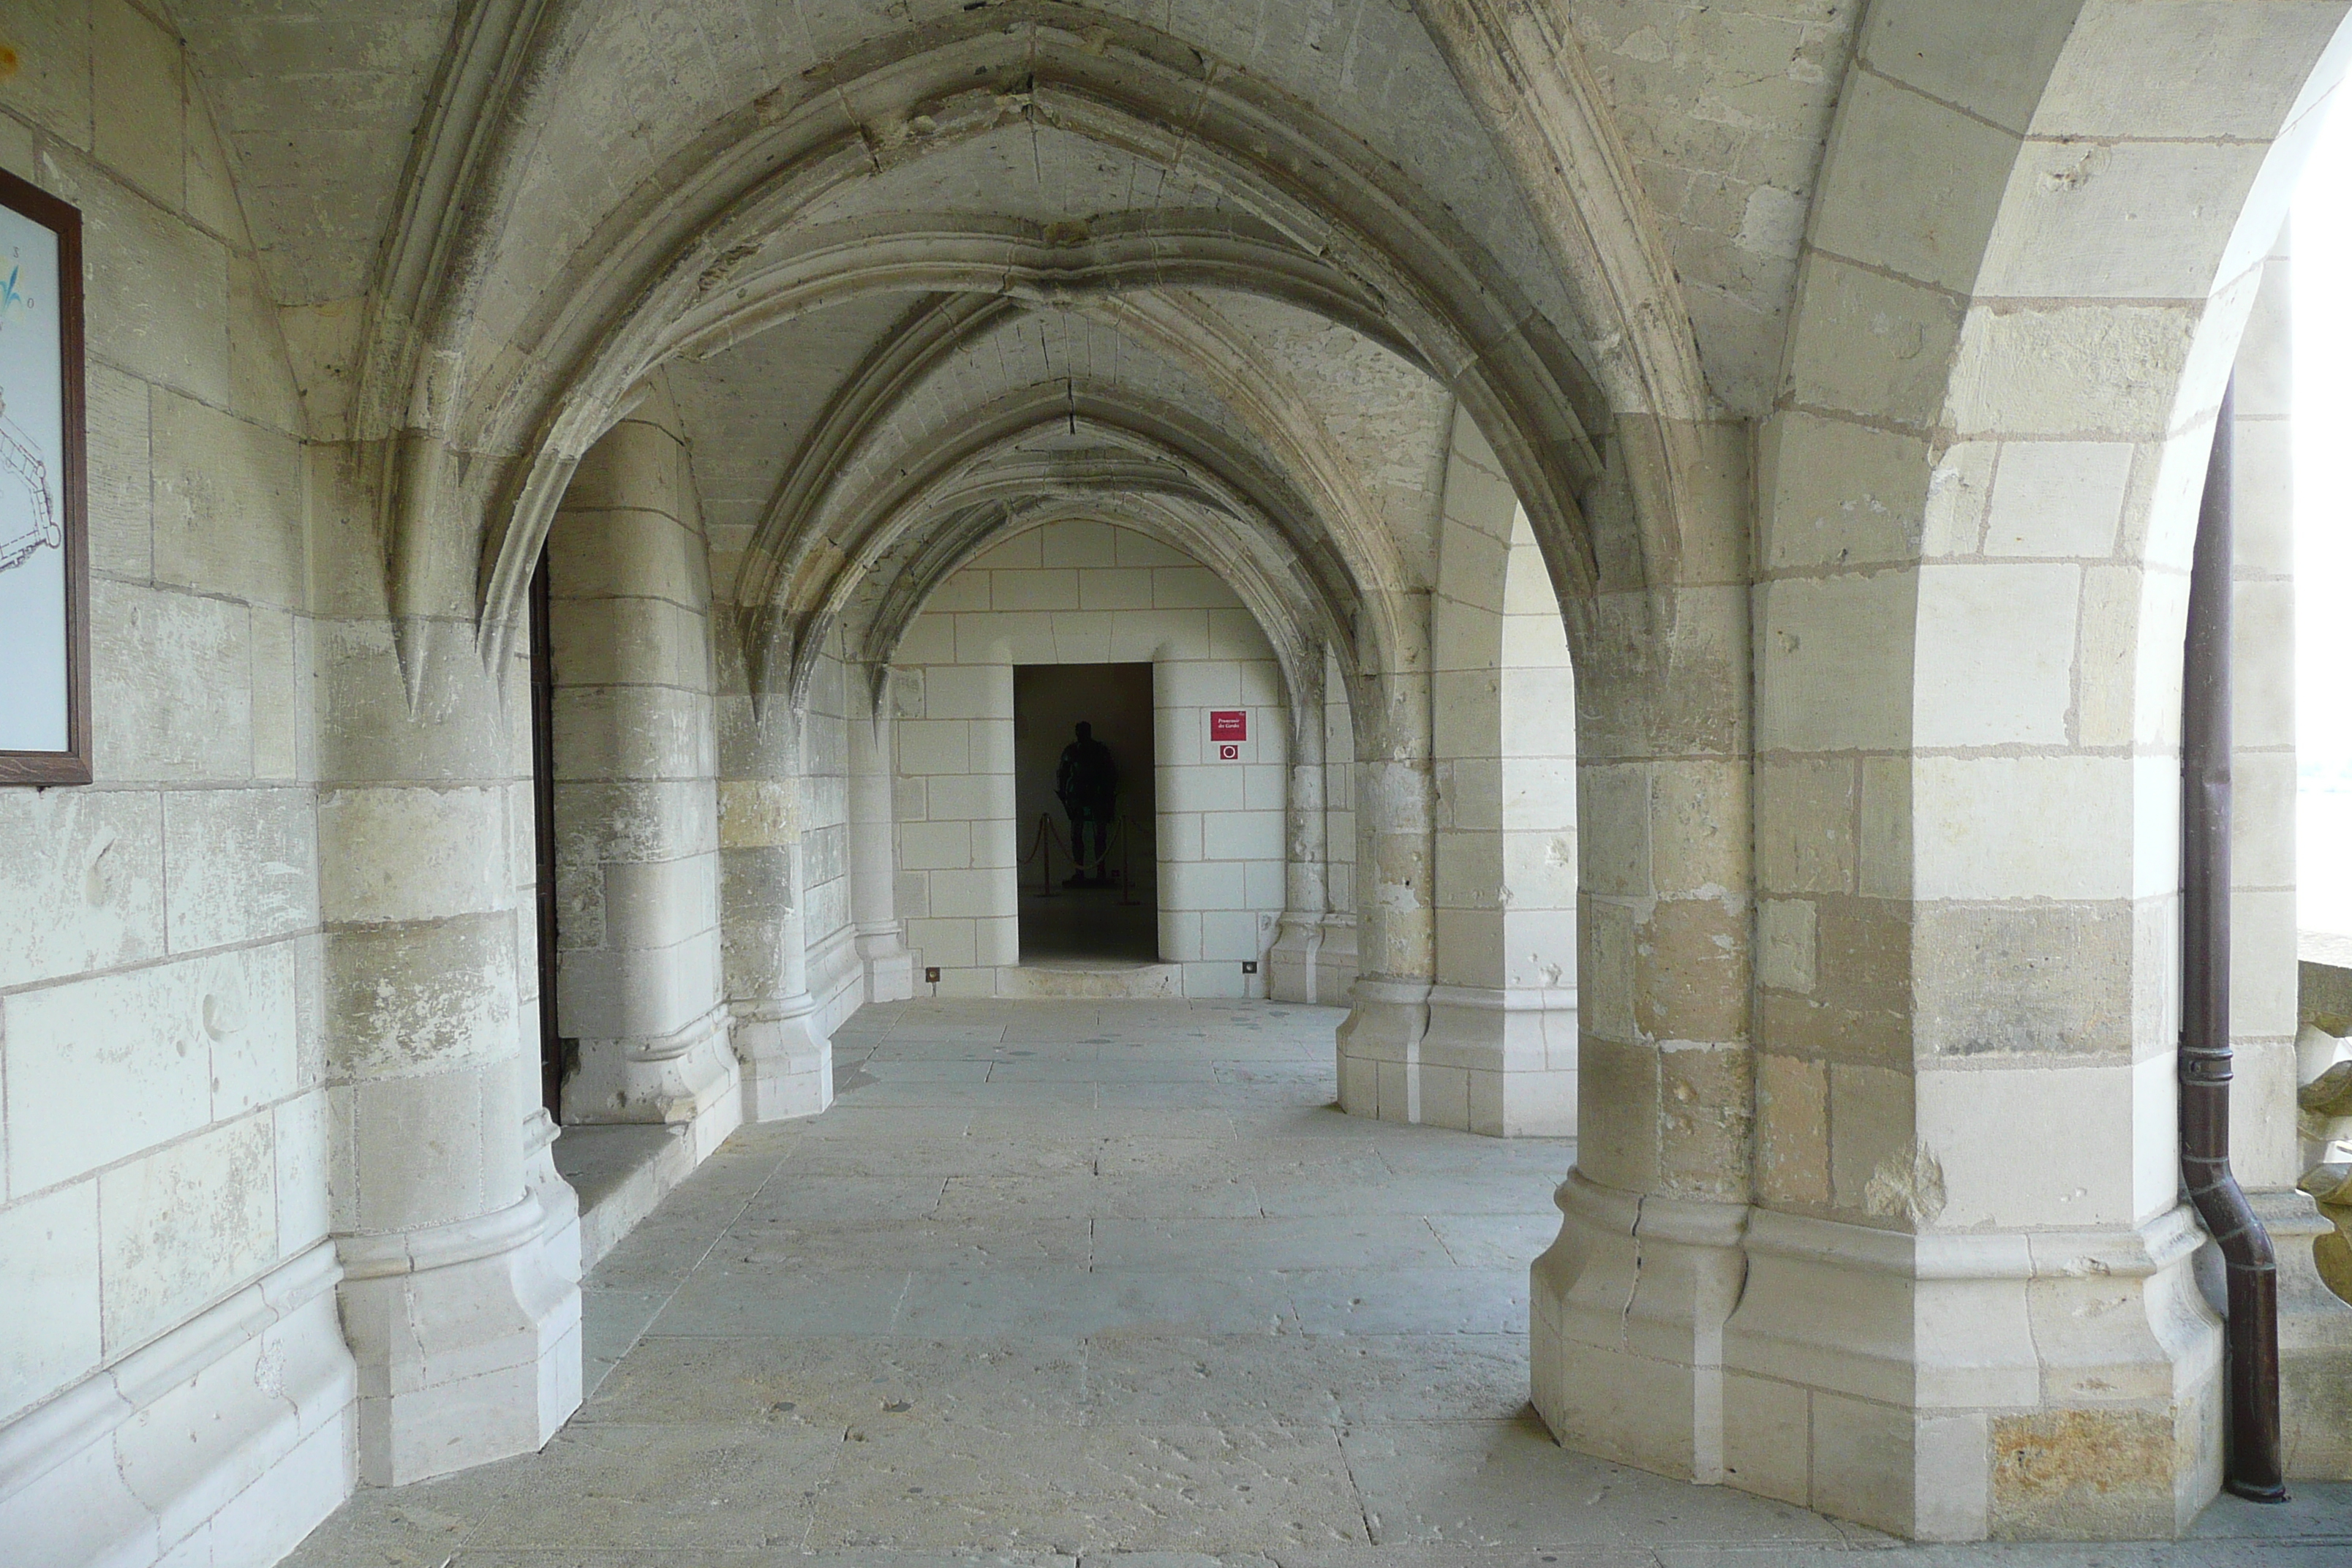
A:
2320, 246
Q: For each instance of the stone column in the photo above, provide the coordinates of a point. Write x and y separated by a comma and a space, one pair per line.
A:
1379, 1042
460, 1291
1500, 1057
873, 860
1970, 1307
635, 791
1628, 1305
1298, 942
1335, 960
787, 1059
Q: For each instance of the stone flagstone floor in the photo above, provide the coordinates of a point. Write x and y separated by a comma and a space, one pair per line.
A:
1073, 1280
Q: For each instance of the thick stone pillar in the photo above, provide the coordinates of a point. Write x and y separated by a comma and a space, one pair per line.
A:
873, 859
1292, 965
1379, 1042
460, 1291
1970, 1308
1335, 960
635, 791
1628, 1305
787, 1059
1503, 1015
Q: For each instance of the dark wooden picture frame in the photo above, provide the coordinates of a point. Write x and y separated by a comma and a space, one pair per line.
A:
27, 203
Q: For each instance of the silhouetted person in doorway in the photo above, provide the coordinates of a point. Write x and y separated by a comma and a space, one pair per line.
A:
1088, 783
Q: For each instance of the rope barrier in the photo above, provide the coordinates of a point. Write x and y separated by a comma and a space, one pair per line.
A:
1049, 834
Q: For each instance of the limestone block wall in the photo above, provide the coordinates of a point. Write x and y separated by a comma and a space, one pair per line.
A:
171, 1372
953, 806
1085, 593
1220, 822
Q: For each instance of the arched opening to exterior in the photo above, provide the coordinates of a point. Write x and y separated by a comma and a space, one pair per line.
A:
2316, 325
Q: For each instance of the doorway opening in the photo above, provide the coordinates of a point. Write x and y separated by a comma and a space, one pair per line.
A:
1089, 863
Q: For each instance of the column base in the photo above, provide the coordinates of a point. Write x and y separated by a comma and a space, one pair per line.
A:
466, 1335
1379, 1057
1516, 1046
1952, 1387
787, 1060
1313, 960
889, 966
1626, 1315
687, 1077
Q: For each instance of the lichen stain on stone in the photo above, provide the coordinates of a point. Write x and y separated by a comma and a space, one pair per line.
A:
2066, 1473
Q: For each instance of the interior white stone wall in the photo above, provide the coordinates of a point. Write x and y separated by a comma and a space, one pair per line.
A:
163, 1195
1088, 593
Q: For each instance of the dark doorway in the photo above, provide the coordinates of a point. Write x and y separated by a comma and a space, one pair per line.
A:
542, 800
1113, 915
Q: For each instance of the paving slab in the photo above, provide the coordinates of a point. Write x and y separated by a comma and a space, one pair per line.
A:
1112, 1285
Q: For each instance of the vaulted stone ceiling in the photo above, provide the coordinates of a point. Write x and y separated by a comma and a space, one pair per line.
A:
1295, 396
1722, 107
1254, 252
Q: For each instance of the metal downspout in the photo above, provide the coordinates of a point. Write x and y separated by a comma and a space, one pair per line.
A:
2252, 1464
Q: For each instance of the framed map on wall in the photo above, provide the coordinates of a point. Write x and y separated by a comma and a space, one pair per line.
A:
44, 547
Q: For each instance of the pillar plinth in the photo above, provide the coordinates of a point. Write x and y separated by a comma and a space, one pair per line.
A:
1380, 1053
2037, 1386
1627, 1313
1516, 1048
467, 1340
688, 1077
787, 1060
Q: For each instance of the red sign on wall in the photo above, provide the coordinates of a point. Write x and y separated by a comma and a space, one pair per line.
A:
1228, 724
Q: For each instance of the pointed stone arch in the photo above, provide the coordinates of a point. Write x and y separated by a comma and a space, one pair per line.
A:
484, 428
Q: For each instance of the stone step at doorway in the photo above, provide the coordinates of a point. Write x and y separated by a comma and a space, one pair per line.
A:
1089, 978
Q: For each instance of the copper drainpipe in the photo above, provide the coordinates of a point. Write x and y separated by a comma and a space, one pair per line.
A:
2253, 1466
